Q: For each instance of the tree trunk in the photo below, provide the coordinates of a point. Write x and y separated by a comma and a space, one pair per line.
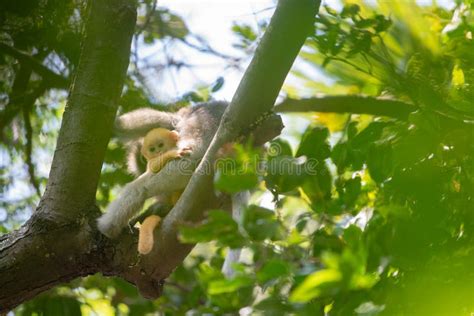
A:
59, 242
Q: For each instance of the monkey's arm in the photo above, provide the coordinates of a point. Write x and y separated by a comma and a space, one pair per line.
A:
137, 123
157, 163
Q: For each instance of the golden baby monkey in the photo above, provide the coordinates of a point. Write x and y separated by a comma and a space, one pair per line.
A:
159, 146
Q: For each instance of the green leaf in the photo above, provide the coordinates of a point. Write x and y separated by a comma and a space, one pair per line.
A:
350, 10
52, 305
218, 84
235, 181
314, 144
273, 306
340, 155
229, 285
239, 173
382, 23
273, 269
315, 285
284, 173
279, 147
218, 225
261, 223
380, 161
352, 189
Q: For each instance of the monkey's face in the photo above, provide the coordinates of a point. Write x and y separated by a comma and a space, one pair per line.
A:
158, 141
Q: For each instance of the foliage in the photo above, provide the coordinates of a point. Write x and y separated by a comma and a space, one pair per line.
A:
362, 215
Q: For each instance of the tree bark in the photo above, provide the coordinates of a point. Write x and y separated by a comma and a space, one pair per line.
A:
60, 242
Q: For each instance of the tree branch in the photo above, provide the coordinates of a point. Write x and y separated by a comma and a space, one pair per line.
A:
349, 104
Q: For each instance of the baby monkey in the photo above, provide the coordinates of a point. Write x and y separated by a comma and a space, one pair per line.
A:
159, 147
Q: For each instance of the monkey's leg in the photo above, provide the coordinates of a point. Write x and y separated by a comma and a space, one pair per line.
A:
145, 236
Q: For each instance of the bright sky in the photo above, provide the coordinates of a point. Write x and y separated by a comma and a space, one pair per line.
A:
213, 20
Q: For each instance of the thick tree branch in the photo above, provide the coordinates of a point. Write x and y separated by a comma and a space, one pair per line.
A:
60, 241
348, 104
90, 112
291, 23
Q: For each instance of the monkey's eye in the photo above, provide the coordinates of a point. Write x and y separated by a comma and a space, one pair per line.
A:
160, 145
152, 149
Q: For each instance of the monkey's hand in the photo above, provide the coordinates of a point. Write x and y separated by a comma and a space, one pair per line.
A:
157, 163
184, 152
145, 236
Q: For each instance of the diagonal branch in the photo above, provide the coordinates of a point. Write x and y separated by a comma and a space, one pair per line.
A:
349, 104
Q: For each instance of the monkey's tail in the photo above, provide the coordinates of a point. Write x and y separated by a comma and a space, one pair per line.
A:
137, 123
145, 236
239, 202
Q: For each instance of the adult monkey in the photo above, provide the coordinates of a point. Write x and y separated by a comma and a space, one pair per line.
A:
291, 23
196, 126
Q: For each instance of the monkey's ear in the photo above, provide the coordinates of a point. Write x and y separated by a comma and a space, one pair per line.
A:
174, 135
